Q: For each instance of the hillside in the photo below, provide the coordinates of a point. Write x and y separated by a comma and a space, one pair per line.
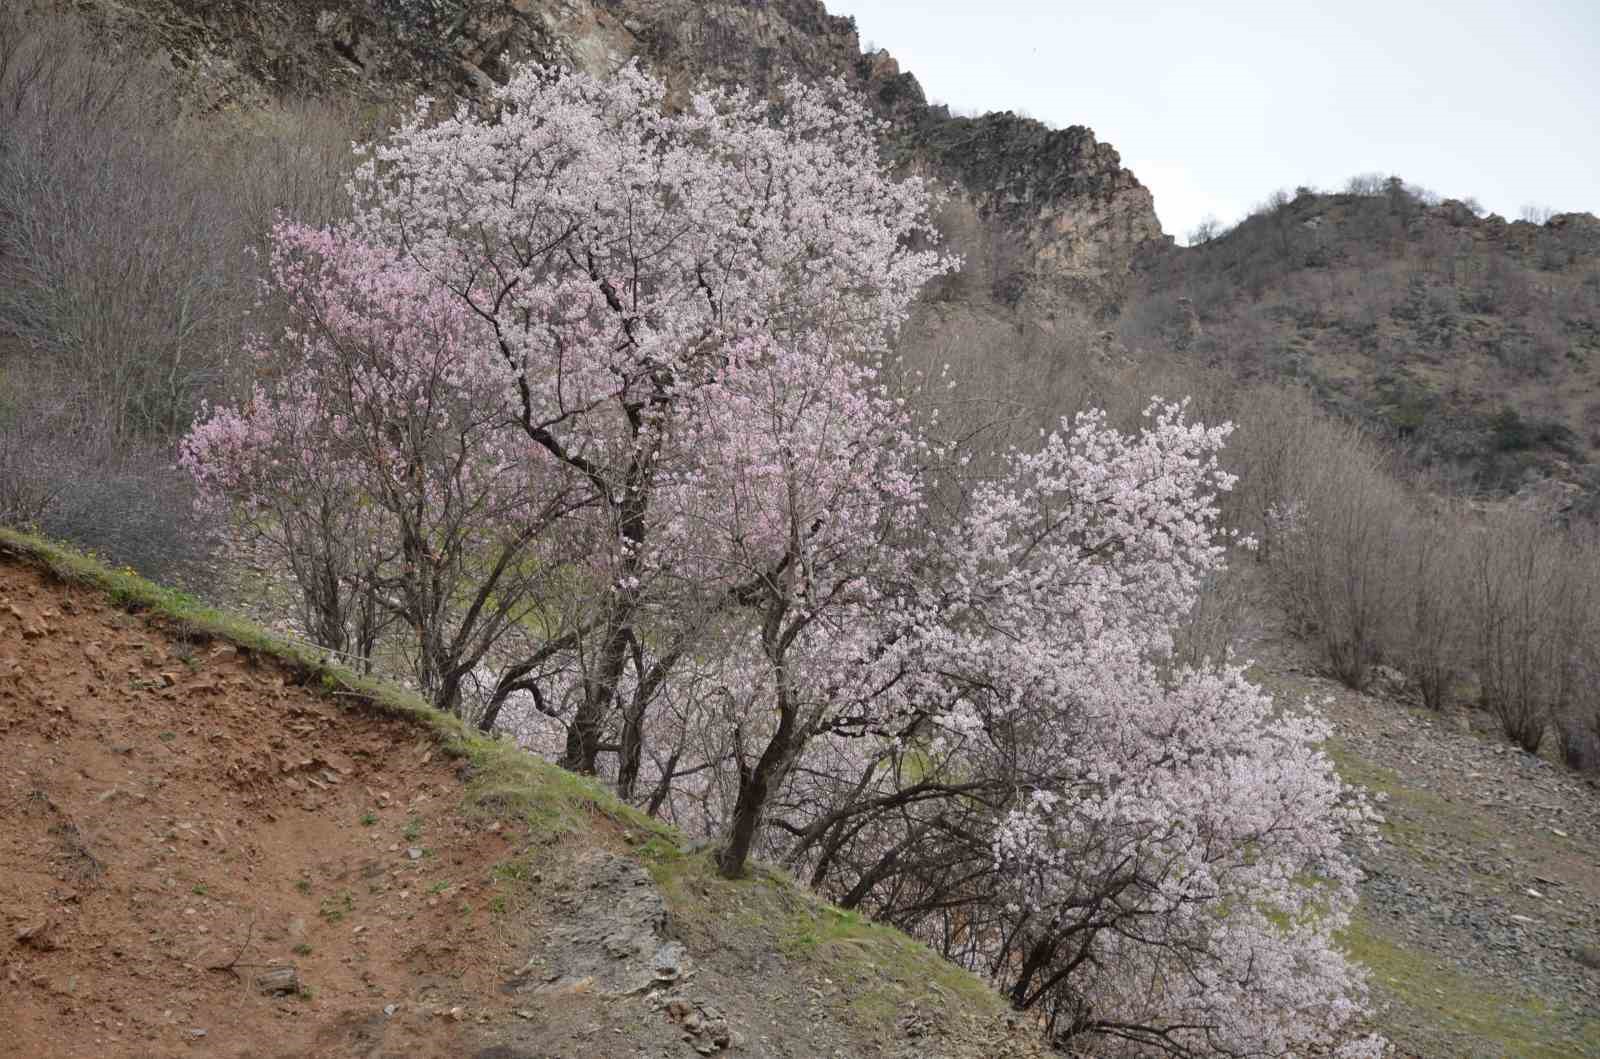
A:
212, 842
214, 847
225, 846
1059, 202
1471, 341
1477, 913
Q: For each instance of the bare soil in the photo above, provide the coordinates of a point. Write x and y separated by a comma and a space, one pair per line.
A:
178, 821
199, 856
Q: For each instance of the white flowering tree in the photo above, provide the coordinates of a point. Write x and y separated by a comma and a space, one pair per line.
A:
597, 382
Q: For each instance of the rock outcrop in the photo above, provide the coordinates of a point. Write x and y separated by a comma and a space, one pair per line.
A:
1060, 199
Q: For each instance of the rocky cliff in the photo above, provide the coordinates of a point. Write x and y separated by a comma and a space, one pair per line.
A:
1059, 200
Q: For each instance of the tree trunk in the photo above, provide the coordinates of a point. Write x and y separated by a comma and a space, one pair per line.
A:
632, 751
755, 785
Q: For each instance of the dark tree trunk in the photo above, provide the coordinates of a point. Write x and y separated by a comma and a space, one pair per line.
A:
755, 786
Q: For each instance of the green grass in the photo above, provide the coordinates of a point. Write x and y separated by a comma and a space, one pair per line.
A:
878, 970
1411, 816
335, 908
1511, 1026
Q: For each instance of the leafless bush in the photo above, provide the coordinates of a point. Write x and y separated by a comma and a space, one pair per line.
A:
64, 475
1208, 229
1212, 627
127, 225
1332, 524
1578, 730
27, 485
1532, 610
1366, 184
1431, 622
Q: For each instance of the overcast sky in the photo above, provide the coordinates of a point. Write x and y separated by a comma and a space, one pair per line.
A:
1215, 103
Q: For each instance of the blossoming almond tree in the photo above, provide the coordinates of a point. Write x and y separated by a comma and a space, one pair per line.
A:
376, 442
633, 350
600, 258
1152, 860
618, 252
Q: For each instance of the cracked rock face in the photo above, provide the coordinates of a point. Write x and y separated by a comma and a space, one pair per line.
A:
610, 936
1063, 198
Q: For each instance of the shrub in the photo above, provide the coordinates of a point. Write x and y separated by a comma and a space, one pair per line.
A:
126, 223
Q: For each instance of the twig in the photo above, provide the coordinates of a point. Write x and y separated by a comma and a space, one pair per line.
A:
233, 963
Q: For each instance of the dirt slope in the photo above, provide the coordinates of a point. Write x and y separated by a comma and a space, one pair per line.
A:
181, 822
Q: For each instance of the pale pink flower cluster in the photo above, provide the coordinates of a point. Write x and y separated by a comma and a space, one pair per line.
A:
586, 400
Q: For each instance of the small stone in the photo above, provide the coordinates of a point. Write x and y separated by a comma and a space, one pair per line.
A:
36, 935
413, 853
390, 1009
669, 961
278, 982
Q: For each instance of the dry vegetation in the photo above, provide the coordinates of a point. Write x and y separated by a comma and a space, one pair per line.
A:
130, 232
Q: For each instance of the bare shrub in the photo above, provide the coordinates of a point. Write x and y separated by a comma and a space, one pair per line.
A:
64, 475
1208, 229
1531, 609
127, 223
1211, 628
1332, 523
27, 486
1366, 184
1431, 622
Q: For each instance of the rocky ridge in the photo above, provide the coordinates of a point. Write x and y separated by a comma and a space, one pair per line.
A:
1060, 196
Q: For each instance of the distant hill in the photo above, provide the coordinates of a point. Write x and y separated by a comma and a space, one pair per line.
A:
1471, 341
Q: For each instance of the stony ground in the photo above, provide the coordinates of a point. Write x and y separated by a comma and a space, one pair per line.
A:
1480, 911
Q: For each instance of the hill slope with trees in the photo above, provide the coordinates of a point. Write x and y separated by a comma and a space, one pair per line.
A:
653, 428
